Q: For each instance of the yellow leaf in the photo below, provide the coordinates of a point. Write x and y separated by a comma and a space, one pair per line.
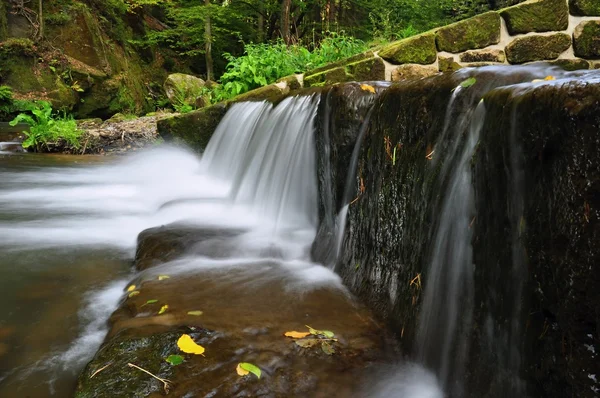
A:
131, 288
549, 78
163, 309
297, 335
368, 88
134, 293
240, 371
163, 277
195, 313
187, 345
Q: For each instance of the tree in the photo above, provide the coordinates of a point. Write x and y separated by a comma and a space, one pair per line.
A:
208, 45
286, 5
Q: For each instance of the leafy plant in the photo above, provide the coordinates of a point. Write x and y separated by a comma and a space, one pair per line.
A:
46, 128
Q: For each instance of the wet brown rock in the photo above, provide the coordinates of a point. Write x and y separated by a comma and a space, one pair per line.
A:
413, 71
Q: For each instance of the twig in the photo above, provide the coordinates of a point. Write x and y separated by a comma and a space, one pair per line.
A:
429, 156
164, 381
85, 145
100, 370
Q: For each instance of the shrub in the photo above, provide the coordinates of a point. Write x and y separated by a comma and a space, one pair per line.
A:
47, 128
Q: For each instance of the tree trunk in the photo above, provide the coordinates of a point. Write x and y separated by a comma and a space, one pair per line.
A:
208, 45
285, 21
261, 23
41, 21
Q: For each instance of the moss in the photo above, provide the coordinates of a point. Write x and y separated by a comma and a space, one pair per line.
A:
270, 93
537, 48
537, 16
586, 39
17, 46
355, 58
448, 64
331, 76
571, 64
414, 50
470, 34
194, 128
585, 7
120, 380
291, 81
368, 70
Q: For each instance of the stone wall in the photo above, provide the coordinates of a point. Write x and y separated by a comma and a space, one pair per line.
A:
561, 32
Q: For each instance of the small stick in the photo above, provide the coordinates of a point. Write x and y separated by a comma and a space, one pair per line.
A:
101, 369
85, 145
164, 381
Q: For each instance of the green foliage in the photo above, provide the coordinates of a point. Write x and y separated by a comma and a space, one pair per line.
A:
57, 19
46, 128
17, 46
264, 64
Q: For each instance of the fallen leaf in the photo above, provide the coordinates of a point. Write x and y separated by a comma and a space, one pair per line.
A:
195, 313
307, 343
327, 348
163, 309
240, 371
326, 333
134, 293
174, 360
163, 277
248, 367
131, 288
468, 83
549, 78
187, 345
296, 335
149, 302
368, 88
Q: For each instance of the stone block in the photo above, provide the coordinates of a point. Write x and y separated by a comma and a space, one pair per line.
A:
485, 55
537, 48
413, 71
586, 39
582, 8
414, 50
537, 16
470, 34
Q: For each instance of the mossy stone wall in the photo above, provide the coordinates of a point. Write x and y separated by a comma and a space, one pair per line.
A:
473, 33
415, 50
537, 16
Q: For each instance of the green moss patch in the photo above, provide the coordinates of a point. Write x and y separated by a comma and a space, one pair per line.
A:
537, 16
470, 34
537, 48
414, 50
586, 39
368, 70
585, 7
571, 64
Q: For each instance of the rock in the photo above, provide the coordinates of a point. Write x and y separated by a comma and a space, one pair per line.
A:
271, 93
370, 69
448, 64
414, 50
99, 98
183, 89
571, 64
486, 55
343, 62
586, 39
194, 128
585, 7
291, 81
470, 34
537, 16
413, 71
537, 48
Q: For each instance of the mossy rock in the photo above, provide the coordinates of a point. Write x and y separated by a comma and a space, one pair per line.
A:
195, 128
537, 48
586, 39
121, 380
343, 62
368, 70
413, 72
448, 64
470, 34
98, 99
571, 64
485, 55
183, 89
291, 81
328, 77
271, 93
537, 16
583, 8
414, 50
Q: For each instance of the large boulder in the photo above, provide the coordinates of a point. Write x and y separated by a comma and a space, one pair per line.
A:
586, 39
537, 48
470, 34
183, 89
414, 50
537, 16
